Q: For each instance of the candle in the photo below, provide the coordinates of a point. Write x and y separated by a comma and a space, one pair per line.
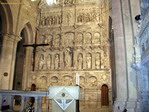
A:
77, 79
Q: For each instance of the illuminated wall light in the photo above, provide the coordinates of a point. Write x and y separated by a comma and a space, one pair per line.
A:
50, 2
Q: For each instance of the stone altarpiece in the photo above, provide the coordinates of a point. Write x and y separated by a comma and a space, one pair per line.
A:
77, 33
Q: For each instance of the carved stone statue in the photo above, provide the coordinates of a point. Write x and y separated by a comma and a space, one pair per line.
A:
98, 61
88, 61
68, 58
80, 61
49, 61
43, 82
79, 39
96, 39
57, 41
57, 62
88, 38
41, 62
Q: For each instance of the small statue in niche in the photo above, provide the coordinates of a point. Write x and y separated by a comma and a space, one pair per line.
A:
43, 82
41, 62
98, 61
80, 61
79, 39
49, 62
68, 57
57, 41
96, 39
69, 16
88, 61
88, 38
57, 62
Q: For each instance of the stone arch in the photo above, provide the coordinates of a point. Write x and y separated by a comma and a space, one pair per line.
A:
26, 33
29, 32
7, 18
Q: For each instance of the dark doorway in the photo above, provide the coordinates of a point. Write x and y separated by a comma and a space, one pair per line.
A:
20, 56
33, 87
104, 95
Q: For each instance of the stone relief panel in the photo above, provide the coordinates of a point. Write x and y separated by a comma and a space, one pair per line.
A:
54, 81
78, 42
68, 80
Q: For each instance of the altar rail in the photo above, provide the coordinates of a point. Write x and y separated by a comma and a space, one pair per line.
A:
25, 95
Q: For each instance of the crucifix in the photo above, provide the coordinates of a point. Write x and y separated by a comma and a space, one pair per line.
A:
35, 45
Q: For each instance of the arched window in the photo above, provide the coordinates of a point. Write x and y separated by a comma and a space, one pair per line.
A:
104, 95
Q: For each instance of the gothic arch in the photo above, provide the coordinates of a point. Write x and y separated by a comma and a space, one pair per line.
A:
7, 18
29, 32
27, 38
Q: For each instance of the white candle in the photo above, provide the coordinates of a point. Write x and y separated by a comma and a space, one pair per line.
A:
77, 79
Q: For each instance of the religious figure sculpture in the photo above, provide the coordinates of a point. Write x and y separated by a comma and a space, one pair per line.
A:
79, 39
49, 61
88, 38
80, 61
96, 39
88, 61
98, 61
68, 58
57, 62
41, 62
43, 82
57, 41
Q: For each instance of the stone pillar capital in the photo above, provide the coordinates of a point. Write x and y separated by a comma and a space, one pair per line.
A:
11, 37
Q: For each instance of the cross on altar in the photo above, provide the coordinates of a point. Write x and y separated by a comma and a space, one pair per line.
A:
35, 45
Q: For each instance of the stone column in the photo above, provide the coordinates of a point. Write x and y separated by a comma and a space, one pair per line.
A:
40, 104
8, 60
27, 67
120, 56
22, 103
36, 104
